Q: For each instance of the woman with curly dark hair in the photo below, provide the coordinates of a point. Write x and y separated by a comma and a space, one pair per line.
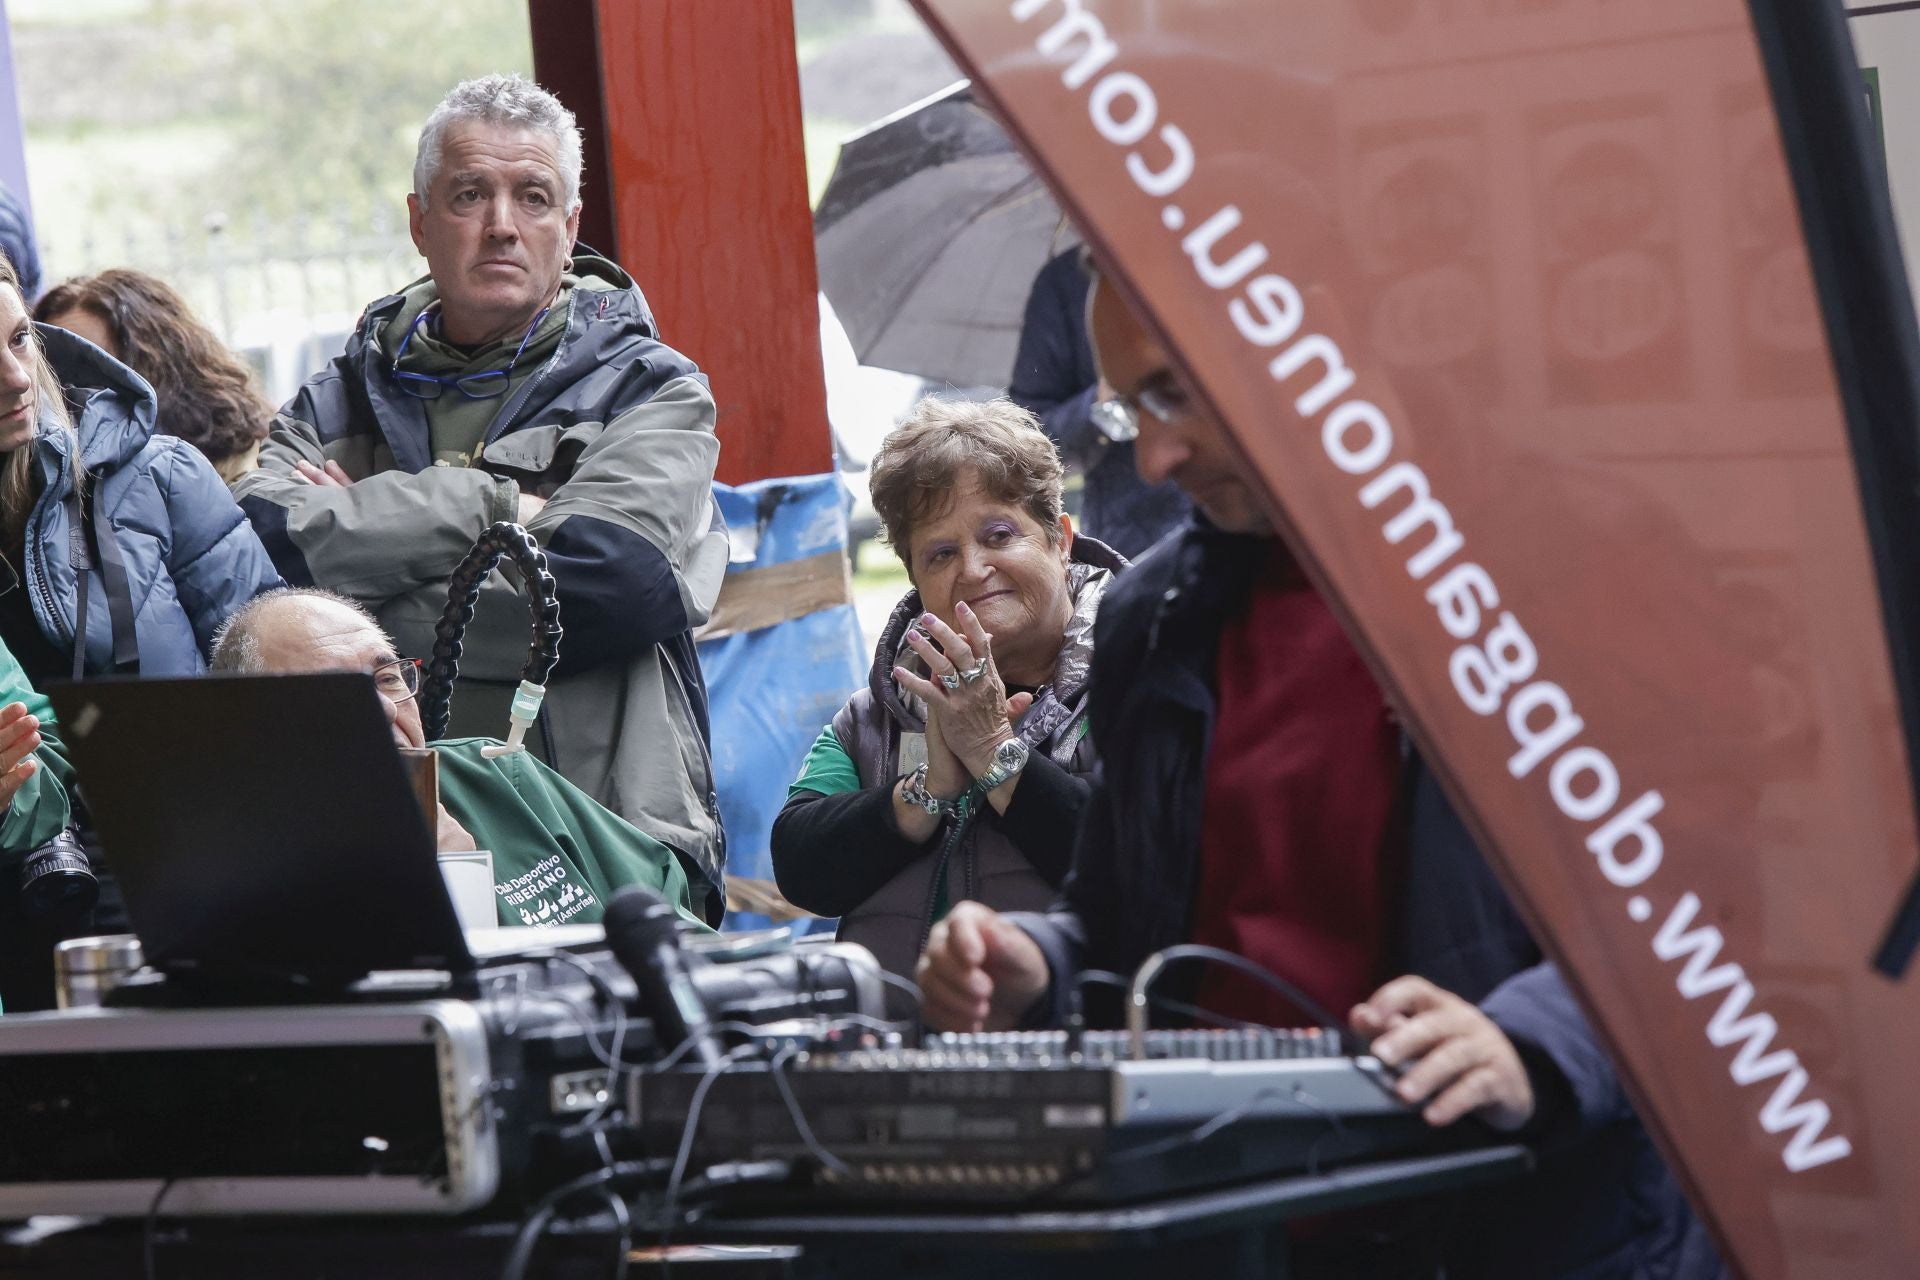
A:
207, 394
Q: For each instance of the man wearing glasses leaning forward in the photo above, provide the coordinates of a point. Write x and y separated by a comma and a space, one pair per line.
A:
1255, 796
520, 380
558, 856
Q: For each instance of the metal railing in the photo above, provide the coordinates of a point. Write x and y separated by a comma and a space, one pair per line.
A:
284, 294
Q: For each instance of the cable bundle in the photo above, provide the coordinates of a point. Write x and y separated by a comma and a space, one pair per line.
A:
501, 540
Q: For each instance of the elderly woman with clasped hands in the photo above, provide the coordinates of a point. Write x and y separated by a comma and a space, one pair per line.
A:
959, 772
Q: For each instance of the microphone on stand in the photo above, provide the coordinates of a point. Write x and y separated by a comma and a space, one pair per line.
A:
644, 935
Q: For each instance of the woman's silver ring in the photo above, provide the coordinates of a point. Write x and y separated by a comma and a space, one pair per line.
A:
974, 672
951, 681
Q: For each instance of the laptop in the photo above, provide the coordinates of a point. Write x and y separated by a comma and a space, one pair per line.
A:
262, 828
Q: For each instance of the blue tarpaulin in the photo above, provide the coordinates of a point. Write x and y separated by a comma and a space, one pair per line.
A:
773, 687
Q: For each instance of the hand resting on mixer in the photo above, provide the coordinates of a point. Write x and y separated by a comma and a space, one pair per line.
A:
1457, 1061
979, 972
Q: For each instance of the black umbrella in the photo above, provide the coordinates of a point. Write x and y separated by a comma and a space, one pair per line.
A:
929, 235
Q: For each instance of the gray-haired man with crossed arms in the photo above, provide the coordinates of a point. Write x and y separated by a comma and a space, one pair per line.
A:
522, 380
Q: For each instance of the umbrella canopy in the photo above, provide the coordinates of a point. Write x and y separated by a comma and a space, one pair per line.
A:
929, 236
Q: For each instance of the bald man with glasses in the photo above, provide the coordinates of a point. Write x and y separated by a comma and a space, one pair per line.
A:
558, 855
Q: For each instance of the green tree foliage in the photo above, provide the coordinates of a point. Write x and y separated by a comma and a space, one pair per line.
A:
324, 98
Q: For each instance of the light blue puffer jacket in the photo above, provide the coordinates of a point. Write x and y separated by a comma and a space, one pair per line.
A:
190, 554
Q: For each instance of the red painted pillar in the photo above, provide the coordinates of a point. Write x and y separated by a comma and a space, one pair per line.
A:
566, 61
692, 116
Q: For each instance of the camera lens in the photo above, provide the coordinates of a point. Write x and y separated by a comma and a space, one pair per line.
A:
56, 878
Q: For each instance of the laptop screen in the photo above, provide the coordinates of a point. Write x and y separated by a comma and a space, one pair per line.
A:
262, 828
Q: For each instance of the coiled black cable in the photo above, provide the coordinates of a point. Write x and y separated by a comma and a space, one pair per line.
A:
501, 539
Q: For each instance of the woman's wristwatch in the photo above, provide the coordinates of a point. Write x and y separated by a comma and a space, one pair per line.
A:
1009, 758
914, 792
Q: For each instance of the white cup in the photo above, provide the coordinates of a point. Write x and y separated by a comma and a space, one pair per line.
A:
469, 877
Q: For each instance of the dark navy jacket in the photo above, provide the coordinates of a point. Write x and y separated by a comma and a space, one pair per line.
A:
1054, 377
1602, 1203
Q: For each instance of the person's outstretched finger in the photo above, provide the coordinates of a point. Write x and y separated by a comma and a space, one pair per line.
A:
978, 641
13, 779
17, 743
938, 663
928, 691
960, 654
